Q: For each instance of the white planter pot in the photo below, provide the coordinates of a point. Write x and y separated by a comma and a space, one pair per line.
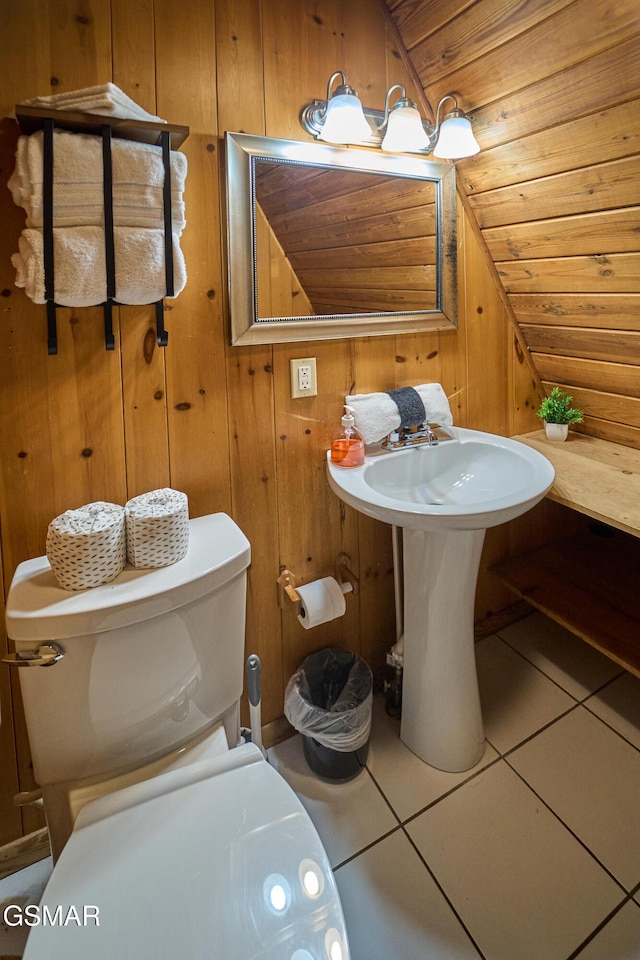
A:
556, 431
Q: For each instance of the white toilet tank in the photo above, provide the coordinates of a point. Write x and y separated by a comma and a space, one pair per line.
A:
151, 660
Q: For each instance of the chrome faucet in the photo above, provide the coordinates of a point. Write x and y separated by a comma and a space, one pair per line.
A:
425, 433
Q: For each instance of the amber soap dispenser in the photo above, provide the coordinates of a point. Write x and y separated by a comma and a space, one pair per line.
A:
347, 450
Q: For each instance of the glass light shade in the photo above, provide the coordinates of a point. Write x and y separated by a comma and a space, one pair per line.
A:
405, 133
345, 122
456, 139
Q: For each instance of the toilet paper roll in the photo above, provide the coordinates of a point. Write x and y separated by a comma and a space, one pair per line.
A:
157, 528
322, 600
87, 547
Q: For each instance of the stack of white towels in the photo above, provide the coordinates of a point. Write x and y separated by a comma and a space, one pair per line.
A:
78, 212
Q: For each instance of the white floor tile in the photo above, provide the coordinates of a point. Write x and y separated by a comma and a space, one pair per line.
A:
393, 909
23, 888
577, 667
619, 940
524, 887
348, 816
619, 706
591, 778
408, 784
517, 700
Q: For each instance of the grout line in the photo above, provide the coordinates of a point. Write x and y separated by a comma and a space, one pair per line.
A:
599, 928
605, 684
355, 855
382, 794
586, 697
568, 828
452, 790
539, 669
546, 726
448, 901
613, 729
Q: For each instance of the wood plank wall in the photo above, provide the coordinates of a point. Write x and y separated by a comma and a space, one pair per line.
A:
554, 90
214, 421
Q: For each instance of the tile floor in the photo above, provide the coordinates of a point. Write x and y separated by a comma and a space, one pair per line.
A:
532, 855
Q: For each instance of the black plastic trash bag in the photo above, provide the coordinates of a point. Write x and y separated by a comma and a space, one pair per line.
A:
329, 700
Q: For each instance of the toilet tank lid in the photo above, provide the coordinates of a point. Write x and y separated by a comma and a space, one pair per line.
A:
38, 609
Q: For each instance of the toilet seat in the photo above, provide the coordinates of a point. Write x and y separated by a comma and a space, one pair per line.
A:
217, 859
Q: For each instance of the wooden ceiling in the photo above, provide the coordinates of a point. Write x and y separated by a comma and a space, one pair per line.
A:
553, 89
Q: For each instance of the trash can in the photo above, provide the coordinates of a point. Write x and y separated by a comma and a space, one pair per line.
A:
329, 700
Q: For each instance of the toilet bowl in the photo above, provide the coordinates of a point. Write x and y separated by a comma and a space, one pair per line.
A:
171, 837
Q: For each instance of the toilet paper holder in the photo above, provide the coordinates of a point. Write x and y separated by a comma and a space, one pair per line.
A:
288, 595
344, 573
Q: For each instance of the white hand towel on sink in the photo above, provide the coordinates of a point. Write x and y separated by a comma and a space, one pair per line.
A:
376, 414
80, 266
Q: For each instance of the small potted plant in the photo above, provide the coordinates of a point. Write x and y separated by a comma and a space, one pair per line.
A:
557, 413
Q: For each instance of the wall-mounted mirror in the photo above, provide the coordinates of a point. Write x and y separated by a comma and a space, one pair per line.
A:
327, 242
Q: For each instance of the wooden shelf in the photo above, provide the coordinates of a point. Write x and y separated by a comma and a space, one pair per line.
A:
593, 476
30, 119
590, 584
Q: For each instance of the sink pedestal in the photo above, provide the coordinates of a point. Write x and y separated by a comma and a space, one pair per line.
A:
441, 716
444, 496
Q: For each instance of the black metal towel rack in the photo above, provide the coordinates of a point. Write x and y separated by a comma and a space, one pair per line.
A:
167, 136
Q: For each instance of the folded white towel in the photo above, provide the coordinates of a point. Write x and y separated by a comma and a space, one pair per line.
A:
105, 99
138, 179
376, 414
80, 267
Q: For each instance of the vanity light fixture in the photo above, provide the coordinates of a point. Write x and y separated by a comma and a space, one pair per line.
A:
342, 119
343, 115
456, 137
404, 132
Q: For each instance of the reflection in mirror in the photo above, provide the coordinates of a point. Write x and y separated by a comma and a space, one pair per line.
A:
356, 242
329, 242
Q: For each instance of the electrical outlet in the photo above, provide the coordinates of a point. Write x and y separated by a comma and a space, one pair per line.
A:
303, 377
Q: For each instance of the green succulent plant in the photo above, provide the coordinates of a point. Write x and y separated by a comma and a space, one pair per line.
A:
556, 408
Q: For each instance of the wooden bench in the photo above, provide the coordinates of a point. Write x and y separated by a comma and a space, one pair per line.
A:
590, 582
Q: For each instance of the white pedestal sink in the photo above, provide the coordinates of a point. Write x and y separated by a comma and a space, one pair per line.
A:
444, 496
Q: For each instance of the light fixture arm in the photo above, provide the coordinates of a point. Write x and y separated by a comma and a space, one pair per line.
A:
344, 83
396, 86
456, 112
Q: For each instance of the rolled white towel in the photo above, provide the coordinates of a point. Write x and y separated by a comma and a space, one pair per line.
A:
137, 175
87, 547
80, 266
376, 414
157, 528
105, 99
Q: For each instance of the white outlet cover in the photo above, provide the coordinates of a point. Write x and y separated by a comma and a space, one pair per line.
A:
297, 389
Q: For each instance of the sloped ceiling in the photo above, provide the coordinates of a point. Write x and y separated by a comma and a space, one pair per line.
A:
553, 89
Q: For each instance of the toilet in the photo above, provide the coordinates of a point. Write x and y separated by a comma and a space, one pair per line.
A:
171, 836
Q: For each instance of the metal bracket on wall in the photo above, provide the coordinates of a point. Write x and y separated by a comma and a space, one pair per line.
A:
32, 119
